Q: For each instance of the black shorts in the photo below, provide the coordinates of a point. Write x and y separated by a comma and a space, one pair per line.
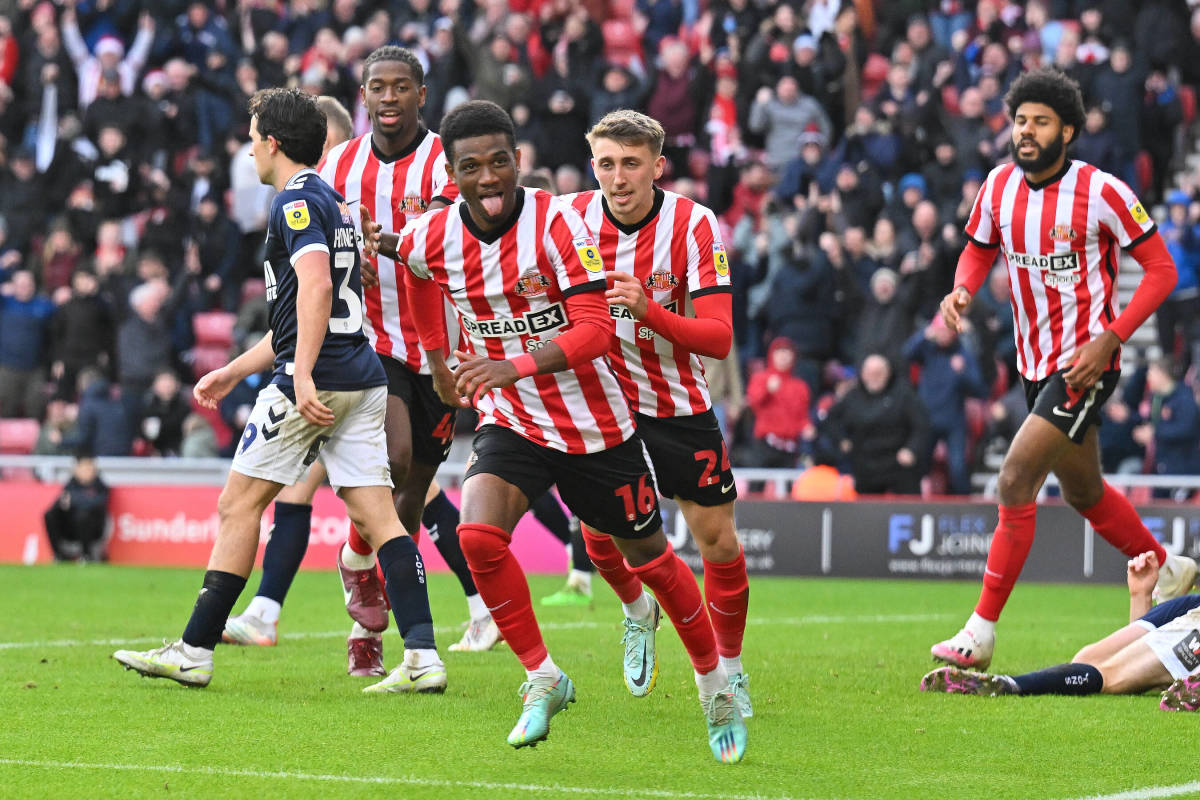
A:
1070, 411
431, 420
689, 457
612, 490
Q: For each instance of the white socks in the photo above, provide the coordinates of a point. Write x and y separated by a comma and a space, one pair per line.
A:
353, 560
580, 580
195, 653
547, 671
712, 682
265, 609
732, 666
638, 610
982, 629
476, 607
359, 632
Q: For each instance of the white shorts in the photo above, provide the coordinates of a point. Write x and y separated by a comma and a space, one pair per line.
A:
1177, 644
279, 444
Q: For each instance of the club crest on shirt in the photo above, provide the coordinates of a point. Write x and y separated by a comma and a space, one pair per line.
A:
1062, 233
1138, 213
296, 214
531, 284
661, 279
412, 205
720, 259
589, 255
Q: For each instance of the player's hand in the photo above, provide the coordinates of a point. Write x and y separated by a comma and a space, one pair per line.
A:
1091, 360
307, 403
211, 388
371, 234
1142, 573
477, 375
627, 291
954, 306
444, 385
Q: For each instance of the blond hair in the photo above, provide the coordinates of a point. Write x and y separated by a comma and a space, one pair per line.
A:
629, 127
337, 116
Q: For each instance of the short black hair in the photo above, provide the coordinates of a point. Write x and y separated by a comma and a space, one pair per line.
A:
475, 118
1052, 88
294, 119
393, 52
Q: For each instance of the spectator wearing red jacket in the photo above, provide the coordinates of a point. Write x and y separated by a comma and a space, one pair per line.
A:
780, 403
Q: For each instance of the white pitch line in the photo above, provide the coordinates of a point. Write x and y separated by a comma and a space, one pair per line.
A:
1149, 792
815, 619
405, 781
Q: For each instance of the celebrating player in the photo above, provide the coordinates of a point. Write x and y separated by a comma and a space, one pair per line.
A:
665, 254
1061, 224
526, 279
1159, 644
326, 400
395, 173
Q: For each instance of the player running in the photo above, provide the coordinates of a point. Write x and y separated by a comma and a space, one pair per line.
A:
666, 258
394, 174
1061, 224
1159, 644
526, 279
325, 401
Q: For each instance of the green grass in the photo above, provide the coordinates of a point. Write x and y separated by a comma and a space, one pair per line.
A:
835, 666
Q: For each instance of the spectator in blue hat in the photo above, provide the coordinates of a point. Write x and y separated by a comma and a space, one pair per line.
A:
1179, 315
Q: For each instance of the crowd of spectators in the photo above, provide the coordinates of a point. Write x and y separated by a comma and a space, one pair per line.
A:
841, 143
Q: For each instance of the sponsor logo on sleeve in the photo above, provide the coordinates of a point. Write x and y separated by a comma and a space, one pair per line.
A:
589, 255
720, 259
296, 215
1139, 213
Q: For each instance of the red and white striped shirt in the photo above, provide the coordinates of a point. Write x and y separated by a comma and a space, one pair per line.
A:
676, 254
1060, 241
402, 188
509, 289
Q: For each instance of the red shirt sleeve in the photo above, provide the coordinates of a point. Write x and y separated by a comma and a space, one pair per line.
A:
425, 303
592, 328
1158, 282
710, 333
973, 266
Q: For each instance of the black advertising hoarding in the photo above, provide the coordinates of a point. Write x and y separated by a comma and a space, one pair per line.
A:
899, 539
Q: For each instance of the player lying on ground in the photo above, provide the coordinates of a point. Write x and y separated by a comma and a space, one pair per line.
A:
325, 400
1061, 224
1159, 644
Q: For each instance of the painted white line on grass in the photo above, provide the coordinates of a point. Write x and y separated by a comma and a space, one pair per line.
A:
405, 780
1149, 792
814, 619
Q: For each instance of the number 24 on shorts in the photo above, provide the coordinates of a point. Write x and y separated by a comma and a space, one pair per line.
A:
645, 498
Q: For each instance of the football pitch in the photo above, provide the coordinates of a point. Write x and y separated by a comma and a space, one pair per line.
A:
834, 668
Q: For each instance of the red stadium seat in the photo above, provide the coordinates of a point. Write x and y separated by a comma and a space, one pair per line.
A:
1187, 100
1143, 165
622, 45
18, 436
214, 329
253, 288
206, 358
224, 435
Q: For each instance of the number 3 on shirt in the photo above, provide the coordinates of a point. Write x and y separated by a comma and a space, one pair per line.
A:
349, 321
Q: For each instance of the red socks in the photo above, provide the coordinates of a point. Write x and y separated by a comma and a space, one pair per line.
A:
357, 543
1006, 556
1115, 518
503, 587
675, 588
727, 592
611, 565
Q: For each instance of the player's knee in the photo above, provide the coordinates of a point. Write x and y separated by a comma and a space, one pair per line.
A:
1081, 499
232, 505
482, 545
1088, 655
1013, 485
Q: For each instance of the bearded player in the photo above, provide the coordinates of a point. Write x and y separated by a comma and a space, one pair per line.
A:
1061, 224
